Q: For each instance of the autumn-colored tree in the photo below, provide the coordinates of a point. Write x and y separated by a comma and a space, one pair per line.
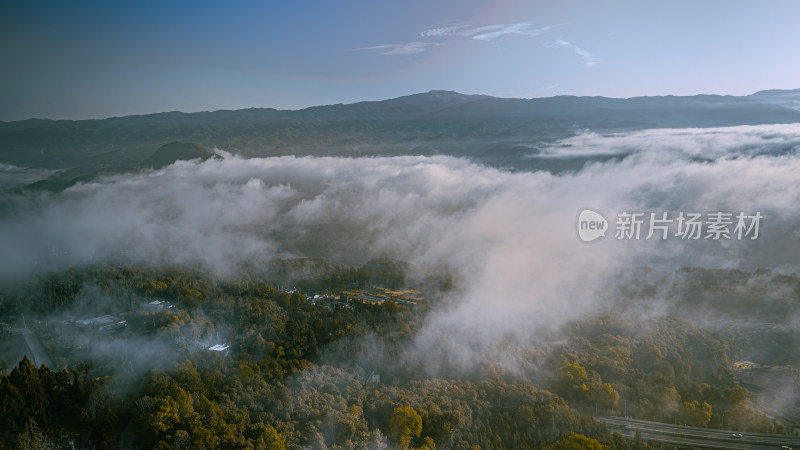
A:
575, 441
694, 413
404, 424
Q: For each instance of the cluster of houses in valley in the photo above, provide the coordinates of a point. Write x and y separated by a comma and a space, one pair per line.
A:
75, 334
79, 333
405, 297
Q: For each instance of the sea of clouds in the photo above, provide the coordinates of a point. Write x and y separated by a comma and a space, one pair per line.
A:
508, 238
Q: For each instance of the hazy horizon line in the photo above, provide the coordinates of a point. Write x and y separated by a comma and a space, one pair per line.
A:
78, 119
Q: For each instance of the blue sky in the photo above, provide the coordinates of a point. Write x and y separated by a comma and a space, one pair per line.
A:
93, 59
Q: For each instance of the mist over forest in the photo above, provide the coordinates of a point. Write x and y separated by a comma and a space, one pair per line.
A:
400, 274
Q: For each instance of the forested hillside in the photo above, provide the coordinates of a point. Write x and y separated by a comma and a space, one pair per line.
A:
333, 372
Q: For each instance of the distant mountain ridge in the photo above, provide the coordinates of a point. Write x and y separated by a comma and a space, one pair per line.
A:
487, 129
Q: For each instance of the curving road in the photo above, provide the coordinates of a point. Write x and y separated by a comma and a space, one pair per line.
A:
38, 353
683, 436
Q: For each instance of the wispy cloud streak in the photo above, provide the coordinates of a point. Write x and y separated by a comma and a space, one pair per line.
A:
455, 30
408, 48
589, 59
492, 32
433, 37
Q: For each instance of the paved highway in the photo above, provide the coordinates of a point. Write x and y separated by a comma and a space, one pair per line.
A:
682, 436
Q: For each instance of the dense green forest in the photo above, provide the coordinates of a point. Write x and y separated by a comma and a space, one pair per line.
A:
334, 373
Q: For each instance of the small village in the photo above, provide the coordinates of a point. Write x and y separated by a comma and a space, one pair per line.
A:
402, 297
58, 343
